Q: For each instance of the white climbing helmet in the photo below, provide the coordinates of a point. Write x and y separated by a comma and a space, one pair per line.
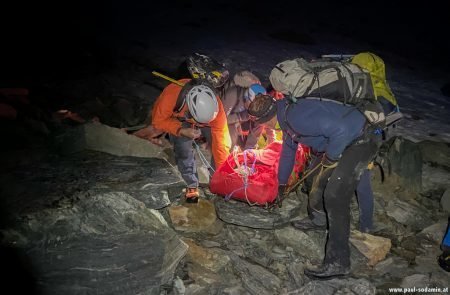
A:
202, 103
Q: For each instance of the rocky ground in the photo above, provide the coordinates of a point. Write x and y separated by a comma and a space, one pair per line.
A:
94, 210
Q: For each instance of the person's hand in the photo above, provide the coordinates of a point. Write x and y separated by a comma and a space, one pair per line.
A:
151, 134
190, 133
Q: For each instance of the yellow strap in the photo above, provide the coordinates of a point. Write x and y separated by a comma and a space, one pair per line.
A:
330, 166
168, 78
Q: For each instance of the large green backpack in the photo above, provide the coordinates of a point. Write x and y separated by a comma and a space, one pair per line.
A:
341, 81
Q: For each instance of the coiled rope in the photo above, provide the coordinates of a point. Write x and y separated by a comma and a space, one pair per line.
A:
244, 171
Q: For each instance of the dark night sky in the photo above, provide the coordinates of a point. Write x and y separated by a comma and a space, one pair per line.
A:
46, 36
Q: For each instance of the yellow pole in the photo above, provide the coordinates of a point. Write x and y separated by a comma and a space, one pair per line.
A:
167, 78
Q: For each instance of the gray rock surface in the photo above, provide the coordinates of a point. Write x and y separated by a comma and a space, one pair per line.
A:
408, 214
304, 243
255, 279
64, 179
394, 266
240, 213
98, 137
437, 153
435, 178
416, 280
406, 162
435, 232
445, 200
338, 286
108, 243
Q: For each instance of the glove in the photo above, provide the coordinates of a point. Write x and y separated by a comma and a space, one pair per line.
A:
374, 114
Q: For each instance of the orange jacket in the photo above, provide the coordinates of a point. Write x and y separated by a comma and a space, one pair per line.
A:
164, 118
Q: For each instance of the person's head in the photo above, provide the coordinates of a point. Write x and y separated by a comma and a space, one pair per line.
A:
262, 109
205, 68
252, 91
202, 103
245, 79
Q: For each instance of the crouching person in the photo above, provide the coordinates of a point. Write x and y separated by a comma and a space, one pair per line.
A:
346, 144
186, 113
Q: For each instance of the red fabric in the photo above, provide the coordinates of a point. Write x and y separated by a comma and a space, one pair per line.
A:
262, 185
276, 94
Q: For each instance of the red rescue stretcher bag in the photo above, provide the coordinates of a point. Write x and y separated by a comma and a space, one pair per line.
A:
251, 175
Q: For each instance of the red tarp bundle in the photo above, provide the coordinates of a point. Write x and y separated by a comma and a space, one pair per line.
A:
252, 175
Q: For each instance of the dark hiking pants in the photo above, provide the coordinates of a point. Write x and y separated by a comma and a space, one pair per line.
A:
185, 157
364, 194
315, 199
315, 188
337, 196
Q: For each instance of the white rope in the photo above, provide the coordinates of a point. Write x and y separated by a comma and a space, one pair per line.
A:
203, 159
244, 171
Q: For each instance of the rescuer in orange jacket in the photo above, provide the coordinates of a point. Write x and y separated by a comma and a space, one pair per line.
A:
186, 113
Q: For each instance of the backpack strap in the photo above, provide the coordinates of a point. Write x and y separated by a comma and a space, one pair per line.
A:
181, 100
290, 131
344, 83
314, 79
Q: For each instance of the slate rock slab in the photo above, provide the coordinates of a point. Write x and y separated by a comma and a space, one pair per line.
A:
103, 138
305, 243
445, 200
241, 213
255, 279
435, 232
105, 244
406, 161
338, 286
409, 214
437, 153
67, 178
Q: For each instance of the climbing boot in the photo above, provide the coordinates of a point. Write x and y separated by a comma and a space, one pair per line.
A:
327, 271
308, 224
191, 195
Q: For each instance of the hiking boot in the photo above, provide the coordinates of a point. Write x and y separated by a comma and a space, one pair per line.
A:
191, 195
327, 271
307, 224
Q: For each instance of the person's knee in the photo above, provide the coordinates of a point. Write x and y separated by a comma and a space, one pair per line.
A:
183, 151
